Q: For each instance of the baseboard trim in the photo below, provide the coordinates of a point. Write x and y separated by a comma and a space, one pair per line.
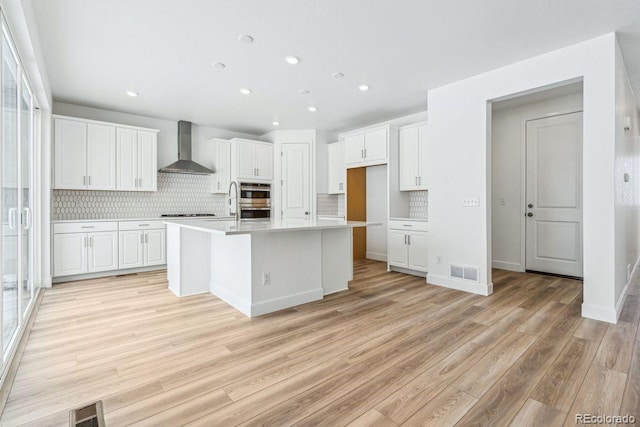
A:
233, 300
47, 282
376, 256
275, 304
461, 285
407, 271
335, 291
597, 312
100, 274
509, 266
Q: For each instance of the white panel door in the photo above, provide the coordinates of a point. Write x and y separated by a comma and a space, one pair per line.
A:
554, 195
127, 164
130, 249
103, 251
336, 169
398, 249
418, 254
101, 157
408, 158
422, 157
154, 247
375, 145
69, 254
354, 149
264, 161
147, 161
245, 163
295, 180
70, 154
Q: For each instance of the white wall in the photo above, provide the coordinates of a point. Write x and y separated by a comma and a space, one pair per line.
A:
377, 211
167, 137
460, 165
627, 194
507, 169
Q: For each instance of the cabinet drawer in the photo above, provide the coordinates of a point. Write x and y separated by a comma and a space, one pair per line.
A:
408, 225
140, 225
84, 227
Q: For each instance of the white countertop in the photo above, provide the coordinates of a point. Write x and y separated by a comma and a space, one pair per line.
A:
155, 218
274, 225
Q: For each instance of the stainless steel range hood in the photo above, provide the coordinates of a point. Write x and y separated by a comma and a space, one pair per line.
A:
184, 163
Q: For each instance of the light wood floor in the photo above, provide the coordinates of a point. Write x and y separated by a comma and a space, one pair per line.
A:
390, 351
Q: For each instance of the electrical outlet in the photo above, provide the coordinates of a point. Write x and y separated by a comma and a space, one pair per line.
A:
439, 260
266, 279
471, 201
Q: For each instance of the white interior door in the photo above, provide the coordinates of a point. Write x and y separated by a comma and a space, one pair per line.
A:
554, 195
295, 180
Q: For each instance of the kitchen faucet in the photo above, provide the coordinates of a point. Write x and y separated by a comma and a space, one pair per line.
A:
234, 184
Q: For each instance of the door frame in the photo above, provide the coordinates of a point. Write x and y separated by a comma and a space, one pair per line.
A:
523, 182
281, 183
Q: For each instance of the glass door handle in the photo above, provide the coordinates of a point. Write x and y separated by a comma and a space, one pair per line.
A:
13, 218
27, 218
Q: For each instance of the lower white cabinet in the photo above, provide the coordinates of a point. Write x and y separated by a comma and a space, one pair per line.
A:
408, 245
142, 244
81, 248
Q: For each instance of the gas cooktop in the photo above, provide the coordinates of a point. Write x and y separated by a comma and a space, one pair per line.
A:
187, 215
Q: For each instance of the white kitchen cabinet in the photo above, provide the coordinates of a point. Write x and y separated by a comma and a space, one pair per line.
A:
408, 245
80, 248
221, 154
137, 165
368, 147
131, 249
337, 170
251, 161
155, 247
412, 145
84, 155
142, 244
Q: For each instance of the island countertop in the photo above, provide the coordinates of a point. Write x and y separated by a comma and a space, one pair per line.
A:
273, 225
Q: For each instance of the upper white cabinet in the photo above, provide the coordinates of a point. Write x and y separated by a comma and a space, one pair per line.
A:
251, 161
221, 155
412, 143
137, 165
337, 170
85, 155
90, 155
367, 147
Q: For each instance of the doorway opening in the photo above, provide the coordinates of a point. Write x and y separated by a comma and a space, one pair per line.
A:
536, 182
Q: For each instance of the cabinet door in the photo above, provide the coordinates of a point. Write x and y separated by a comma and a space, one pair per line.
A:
375, 145
337, 170
408, 156
264, 161
127, 163
154, 247
354, 149
103, 251
398, 248
222, 164
131, 249
422, 157
70, 154
69, 254
101, 157
244, 160
147, 161
418, 251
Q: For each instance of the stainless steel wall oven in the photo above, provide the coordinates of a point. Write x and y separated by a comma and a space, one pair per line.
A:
255, 201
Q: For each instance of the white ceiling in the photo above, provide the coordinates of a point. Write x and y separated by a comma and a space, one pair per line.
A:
95, 50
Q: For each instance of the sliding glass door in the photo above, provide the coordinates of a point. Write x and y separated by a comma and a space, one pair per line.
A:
26, 196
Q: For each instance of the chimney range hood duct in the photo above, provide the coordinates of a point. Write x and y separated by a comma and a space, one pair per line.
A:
184, 163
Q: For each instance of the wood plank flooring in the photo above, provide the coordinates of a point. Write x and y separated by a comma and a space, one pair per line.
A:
390, 351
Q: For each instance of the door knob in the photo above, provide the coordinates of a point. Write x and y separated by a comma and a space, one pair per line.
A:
306, 213
530, 205
530, 214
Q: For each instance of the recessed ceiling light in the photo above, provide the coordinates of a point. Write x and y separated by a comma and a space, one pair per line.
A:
363, 87
312, 109
245, 38
293, 60
219, 66
304, 91
132, 93
337, 75
245, 91
275, 123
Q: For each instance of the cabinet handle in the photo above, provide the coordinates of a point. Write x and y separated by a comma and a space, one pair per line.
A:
257, 171
362, 154
409, 238
419, 180
142, 238
405, 239
146, 238
89, 179
365, 153
84, 180
143, 225
91, 241
87, 226
84, 241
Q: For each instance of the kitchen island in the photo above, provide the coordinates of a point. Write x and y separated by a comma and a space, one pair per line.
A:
260, 267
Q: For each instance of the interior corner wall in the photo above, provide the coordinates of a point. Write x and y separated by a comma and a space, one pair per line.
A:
627, 193
508, 130
459, 162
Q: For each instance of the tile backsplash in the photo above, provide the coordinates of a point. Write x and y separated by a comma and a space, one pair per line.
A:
177, 193
331, 204
419, 204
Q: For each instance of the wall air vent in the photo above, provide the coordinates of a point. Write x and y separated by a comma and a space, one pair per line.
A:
466, 273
